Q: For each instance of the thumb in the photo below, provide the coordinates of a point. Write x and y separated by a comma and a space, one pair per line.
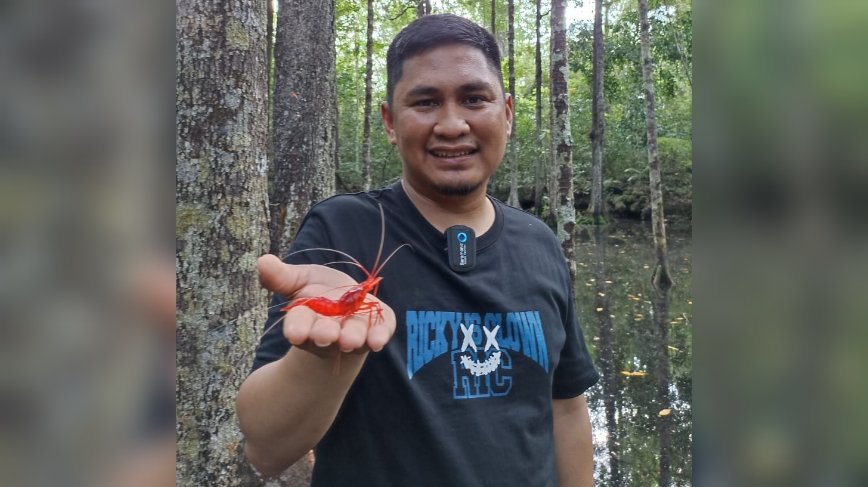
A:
281, 278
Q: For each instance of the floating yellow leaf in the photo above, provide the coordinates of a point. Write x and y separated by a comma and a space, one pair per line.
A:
599, 309
672, 348
600, 294
633, 374
665, 412
673, 322
608, 282
596, 339
645, 267
690, 303
639, 315
634, 298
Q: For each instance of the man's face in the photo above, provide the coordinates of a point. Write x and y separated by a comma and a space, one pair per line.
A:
450, 121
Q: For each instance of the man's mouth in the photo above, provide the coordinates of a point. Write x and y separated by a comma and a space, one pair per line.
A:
444, 153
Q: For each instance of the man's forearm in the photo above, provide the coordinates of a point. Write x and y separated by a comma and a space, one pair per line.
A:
574, 447
286, 407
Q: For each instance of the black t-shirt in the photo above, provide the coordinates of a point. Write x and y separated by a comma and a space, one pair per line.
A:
462, 393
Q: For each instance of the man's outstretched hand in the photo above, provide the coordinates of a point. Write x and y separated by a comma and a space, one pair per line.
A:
319, 334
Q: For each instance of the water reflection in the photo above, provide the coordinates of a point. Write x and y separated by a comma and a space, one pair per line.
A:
644, 398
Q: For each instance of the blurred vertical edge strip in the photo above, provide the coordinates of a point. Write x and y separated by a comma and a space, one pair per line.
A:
780, 236
86, 293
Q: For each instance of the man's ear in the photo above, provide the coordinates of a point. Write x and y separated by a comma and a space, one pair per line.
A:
388, 123
509, 114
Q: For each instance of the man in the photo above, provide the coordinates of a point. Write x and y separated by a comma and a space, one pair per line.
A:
475, 371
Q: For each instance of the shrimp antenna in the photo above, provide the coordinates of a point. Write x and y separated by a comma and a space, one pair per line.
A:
382, 239
353, 259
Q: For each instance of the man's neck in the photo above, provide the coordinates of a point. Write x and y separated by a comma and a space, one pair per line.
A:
474, 211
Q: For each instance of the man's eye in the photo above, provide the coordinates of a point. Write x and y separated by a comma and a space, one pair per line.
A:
474, 100
425, 103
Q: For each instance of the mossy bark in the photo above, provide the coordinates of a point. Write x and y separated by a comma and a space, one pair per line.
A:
305, 115
221, 125
561, 139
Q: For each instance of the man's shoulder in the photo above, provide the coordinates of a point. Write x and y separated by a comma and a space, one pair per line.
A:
360, 202
527, 223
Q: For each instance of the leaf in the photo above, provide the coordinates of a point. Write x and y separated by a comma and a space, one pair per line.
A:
633, 374
665, 412
599, 309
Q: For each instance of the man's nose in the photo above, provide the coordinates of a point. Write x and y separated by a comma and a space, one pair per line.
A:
451, 122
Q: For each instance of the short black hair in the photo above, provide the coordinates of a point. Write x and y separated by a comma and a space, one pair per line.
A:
432, 31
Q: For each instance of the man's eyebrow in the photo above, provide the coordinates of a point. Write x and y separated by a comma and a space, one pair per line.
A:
426, 90
476, 86
422, 91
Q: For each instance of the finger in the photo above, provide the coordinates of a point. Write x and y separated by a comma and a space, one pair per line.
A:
281, 278
325, 331
297, 324
381, 332
354, 333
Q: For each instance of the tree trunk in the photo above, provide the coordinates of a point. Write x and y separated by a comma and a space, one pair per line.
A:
305, 115
494, 18
561, 138
221, 211
423, 8
513, 156
661, 276
606, 349
599, 120
540, 166
369, 71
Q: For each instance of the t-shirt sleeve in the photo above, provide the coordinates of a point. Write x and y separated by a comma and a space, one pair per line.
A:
312, 234
576, 372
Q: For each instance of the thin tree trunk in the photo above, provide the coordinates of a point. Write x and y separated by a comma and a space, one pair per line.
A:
599, 120
369, 71
305, 111
606, 349
357, 146
661, 279
540, 165
561, 138
423, 8
493, 17
513, 156
221, 211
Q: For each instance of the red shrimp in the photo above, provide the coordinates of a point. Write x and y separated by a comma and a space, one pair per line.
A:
353, 301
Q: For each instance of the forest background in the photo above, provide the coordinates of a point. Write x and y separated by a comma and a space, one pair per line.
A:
625, 167
275, 116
